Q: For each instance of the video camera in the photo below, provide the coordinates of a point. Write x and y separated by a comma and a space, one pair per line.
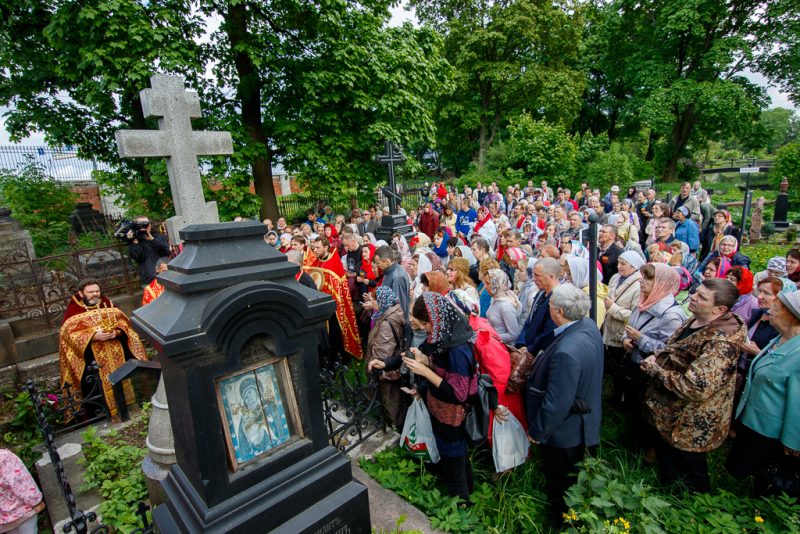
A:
139, 229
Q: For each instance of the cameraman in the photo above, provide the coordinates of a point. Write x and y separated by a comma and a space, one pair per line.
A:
145, 248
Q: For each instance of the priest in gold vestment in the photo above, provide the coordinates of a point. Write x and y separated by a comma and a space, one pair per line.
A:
95, 330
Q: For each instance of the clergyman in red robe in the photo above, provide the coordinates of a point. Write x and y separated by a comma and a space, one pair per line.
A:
95, 330
328, 273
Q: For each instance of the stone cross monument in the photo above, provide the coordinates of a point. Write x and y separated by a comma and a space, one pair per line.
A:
175, 141
174, 107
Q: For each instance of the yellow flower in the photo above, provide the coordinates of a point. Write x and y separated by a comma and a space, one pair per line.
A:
759, 519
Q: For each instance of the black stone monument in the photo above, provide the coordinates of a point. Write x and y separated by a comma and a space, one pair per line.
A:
86, 219
394, 223
781, 214
236, 337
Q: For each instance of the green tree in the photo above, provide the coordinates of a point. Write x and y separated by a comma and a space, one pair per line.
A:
675, 68
41, 205
510, 58
787, 163
320, 86
541, 150
73, 70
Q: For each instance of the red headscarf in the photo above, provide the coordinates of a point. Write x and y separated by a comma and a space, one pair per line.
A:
745, 276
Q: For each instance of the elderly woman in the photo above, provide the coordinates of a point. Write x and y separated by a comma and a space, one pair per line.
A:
385, 341
652, 321
445, 368
623, 296
503, 313
576, 270
759, 329
713, 233
728, 249
768, 439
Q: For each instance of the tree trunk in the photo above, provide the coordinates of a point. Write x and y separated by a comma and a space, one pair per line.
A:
249, 94
482, 144
679, 138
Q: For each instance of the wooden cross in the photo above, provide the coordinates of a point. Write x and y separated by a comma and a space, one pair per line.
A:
174, 107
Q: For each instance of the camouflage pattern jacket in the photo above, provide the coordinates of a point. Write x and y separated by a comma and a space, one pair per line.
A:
690, 397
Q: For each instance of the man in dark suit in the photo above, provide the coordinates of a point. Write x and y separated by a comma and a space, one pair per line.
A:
537, 333
608, 252
563, 395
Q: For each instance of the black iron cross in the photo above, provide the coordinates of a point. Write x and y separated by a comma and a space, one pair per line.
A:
389, 158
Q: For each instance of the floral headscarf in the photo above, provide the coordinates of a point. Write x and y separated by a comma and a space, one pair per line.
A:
666, 282
463, 302
449, 327
385, 298
501, 288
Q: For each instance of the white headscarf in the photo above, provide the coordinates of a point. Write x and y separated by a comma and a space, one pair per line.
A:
467, 254
632, 258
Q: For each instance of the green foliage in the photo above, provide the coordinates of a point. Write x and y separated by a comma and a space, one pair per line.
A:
541, 150
603, 497
115, 469
760, 254
509, 58
613, 166
21, 434
615, 493
41, 205
723, 511
787, 163
409, 479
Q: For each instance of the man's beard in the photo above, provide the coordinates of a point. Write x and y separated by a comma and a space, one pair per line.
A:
88, 302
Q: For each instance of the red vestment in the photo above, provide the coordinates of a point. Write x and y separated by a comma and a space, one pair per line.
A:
81, 322
330, 278
152, 292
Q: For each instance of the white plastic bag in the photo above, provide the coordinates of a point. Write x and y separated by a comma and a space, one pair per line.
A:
417, 437
509, 443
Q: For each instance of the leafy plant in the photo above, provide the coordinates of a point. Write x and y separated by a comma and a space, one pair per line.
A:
22, 432
604, 501
115, 469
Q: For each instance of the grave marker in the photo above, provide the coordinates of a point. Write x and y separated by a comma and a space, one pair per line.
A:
179, 145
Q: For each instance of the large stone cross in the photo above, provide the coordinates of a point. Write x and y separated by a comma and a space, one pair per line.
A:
174, 107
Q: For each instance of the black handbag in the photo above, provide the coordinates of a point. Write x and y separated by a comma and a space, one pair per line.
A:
476, 424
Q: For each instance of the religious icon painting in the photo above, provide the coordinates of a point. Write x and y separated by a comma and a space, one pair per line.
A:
259, 411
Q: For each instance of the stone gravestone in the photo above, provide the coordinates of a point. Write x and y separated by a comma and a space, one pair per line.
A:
394, 222
236, 335
236, 338
757, 221
781, 216
174, 107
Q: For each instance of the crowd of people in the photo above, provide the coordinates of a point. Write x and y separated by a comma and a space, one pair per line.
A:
721, 363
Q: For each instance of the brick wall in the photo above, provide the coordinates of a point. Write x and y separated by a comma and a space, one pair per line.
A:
87, 192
